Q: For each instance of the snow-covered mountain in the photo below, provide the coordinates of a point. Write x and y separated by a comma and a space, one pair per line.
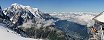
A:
30, 22
18, 12
22, 9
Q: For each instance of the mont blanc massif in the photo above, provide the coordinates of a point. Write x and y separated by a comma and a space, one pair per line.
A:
19, 22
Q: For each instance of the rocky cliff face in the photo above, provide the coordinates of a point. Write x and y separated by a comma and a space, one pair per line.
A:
1, 13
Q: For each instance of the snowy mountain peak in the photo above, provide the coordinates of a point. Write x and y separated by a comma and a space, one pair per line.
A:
18, 12
15, 5
34, 11
18, 8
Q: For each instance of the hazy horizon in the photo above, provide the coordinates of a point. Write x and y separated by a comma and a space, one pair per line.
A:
59, 5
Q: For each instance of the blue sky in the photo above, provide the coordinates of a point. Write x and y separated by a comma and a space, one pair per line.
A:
60, 5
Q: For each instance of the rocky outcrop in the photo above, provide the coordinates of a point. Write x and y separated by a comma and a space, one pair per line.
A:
2, 15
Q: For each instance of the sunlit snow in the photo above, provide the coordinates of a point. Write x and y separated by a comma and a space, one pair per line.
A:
6, 34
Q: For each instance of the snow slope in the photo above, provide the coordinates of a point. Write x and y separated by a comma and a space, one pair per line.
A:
6, 34
100, 17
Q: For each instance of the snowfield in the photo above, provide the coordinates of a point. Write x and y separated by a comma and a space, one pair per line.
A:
6, 34
100, 17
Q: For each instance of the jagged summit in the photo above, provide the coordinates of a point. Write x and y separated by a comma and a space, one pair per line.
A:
16, 5
20, 8
19, 13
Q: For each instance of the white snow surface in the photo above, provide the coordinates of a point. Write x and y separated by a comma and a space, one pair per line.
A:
100, 17
7, 34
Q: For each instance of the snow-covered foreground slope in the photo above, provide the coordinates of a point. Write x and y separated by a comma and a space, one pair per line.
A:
6, 34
